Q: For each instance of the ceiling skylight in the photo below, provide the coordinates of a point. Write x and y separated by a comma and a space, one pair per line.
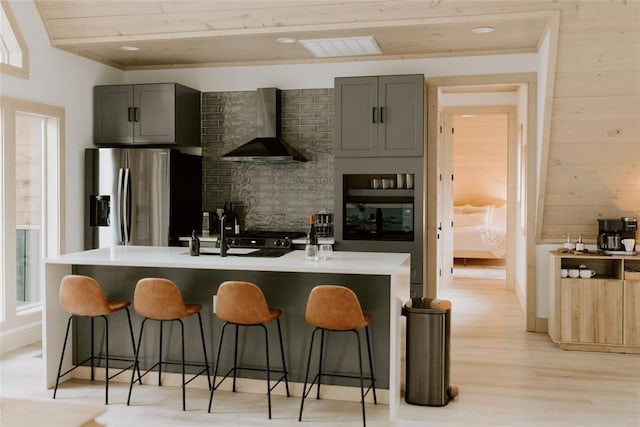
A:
348, 46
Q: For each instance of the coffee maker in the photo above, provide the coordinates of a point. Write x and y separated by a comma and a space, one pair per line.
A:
611, 233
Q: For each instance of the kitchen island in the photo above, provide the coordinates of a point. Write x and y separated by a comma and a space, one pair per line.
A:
377, 279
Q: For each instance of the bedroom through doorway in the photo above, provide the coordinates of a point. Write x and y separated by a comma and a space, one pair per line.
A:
480, 165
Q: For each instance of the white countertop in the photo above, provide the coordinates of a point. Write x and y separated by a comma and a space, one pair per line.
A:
178, 257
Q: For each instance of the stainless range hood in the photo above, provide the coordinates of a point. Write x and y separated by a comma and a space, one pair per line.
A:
267, 147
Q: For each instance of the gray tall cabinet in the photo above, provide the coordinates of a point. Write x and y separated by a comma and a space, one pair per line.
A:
380, 132
156, 113
380, 116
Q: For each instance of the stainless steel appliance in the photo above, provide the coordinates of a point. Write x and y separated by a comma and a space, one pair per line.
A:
270, 244
138, 196
611, 233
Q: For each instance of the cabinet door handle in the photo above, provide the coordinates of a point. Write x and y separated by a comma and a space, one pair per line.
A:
381, 114
136, 114
130, 110
373, 115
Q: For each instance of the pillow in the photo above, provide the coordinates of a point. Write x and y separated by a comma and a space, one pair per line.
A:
469, 220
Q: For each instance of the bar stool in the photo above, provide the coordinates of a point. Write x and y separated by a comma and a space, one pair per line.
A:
334, 308
82, 296
244, 304
161, 300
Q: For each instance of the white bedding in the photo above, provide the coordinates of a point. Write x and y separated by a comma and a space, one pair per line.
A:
479, 232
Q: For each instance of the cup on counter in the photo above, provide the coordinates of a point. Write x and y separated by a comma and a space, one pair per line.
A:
564, 272
629, 244
587, 274
574, 273
400, 180
388, 183
375, 183
408, 179
325, 252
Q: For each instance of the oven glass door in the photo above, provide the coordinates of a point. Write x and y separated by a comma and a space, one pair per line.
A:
379, 221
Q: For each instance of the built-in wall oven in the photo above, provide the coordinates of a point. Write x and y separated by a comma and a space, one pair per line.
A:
378, 221
371, 213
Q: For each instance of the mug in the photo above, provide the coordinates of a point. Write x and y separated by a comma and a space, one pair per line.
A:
574, 272
564, 272
587, 274
629, 244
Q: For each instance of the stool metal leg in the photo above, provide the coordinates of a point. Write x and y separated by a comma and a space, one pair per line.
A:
160, 356
284, 365
215, 369
235, 359
184, 398
204, 350
320, 362
373, 377
133, 342
135, 362
64, 347
266, 341
93, 375
364, 421
106, 358
306, 375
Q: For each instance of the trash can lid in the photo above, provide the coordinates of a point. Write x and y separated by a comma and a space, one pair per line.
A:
428, 303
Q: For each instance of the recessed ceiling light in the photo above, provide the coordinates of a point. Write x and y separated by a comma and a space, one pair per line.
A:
286, 40
130, 48
347, 46
483, 30
468, 116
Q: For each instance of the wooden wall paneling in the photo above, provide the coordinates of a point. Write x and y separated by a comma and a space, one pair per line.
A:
595, 120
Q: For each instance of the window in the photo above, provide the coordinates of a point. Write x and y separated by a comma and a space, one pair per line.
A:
31, 201
14, 57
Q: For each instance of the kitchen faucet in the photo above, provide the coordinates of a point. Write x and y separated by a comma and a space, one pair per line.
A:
223, 243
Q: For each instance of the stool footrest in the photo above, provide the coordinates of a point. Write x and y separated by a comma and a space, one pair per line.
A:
353, 377
195, 375
246, 368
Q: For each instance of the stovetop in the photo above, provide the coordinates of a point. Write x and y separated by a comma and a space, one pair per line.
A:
267, 239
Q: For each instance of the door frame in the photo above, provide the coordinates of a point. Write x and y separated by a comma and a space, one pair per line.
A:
510, 111
434, 84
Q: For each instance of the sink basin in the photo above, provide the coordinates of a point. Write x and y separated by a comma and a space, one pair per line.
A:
230, 251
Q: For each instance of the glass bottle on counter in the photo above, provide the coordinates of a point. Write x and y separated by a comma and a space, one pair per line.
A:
194, 244
311, 248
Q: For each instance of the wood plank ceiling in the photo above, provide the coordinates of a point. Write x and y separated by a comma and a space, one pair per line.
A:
244, 32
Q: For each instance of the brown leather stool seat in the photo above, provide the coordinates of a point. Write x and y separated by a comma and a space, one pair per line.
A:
244, 304
161, 300
335, 308
82, 296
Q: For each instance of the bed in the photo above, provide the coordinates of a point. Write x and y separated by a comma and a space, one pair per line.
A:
479, 231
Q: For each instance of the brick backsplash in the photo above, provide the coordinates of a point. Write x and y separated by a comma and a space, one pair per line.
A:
269, 196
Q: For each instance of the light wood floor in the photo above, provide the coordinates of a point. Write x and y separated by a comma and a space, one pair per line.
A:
506, 376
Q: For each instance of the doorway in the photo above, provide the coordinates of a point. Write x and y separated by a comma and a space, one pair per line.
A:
479, 162
520, 246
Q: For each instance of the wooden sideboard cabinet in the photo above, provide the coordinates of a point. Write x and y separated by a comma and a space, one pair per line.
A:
601, 313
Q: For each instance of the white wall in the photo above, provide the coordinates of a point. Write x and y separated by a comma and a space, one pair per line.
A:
61, 79
311, 76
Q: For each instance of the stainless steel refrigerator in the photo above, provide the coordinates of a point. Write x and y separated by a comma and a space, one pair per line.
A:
139, 196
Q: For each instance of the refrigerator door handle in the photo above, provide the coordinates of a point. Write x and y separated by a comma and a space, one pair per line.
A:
126, 206
120, 217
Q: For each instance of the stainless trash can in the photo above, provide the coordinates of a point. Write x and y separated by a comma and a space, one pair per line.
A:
428, 352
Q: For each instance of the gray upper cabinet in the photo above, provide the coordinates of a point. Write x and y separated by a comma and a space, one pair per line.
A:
380, 116
146, 114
